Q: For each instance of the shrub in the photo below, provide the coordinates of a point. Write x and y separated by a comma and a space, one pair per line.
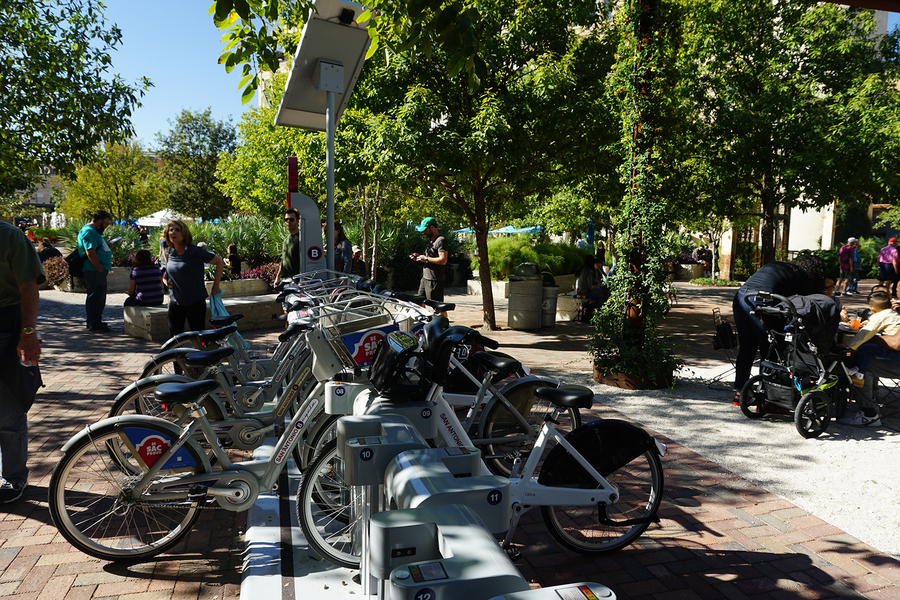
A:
56, 270
508, 252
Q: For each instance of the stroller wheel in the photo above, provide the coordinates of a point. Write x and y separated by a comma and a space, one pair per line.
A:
753, 398
813, 414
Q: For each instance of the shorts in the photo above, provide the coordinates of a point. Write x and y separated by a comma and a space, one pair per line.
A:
431, 289
886, 271
846, 274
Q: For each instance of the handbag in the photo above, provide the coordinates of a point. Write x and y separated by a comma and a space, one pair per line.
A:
217, 308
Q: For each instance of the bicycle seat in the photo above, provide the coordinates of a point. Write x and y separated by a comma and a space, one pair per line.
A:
206, 359
567, 396
497, 361
184, 393
215, 335
439, 306
292, 330
226, 320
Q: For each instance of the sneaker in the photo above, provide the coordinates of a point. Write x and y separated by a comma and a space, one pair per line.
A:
10, 492
737, 399
102, 327
858, 419
853, 370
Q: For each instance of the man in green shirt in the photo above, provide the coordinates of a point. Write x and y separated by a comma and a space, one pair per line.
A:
20, 273
97, 264
290, 248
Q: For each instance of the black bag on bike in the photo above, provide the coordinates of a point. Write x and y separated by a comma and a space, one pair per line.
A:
76, 264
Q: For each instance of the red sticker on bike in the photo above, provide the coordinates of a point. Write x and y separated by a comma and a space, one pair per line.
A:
151, 449
362, 345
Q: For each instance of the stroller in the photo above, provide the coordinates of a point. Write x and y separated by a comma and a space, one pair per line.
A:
799, 372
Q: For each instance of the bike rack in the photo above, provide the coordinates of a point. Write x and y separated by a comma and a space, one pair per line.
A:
438, 553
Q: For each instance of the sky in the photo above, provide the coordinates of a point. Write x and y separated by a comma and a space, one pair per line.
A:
176, 45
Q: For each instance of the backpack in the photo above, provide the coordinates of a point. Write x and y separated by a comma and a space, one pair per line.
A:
76, 264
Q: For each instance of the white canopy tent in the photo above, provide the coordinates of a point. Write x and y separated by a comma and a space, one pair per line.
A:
159, 218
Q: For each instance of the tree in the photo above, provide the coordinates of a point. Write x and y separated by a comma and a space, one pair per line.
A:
191, 152
536, 122
122, 179
791, 104
59, 99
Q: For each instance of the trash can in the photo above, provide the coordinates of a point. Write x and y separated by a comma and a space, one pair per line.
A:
548, 304
525, 297
696, 271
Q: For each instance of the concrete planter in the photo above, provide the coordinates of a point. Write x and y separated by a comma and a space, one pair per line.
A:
500, 288
116, 282
241, 287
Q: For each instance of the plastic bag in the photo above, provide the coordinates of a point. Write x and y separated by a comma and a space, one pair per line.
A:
217, 307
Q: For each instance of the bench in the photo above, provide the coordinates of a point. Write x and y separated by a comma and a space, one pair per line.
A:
568, 308
151, 322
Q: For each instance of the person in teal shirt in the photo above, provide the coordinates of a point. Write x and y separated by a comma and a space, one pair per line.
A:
97, 264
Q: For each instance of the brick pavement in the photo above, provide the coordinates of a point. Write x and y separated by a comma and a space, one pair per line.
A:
720, 535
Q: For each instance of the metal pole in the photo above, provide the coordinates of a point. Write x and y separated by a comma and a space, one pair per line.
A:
329, 179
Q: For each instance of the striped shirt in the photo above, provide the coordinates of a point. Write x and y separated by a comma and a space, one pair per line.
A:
148, 284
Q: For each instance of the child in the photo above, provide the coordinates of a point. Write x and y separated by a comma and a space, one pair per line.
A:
145, 288
233, 260
883, 320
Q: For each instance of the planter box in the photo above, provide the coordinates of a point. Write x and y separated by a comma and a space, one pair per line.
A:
633, 382
241, 287
116, 282
500, 288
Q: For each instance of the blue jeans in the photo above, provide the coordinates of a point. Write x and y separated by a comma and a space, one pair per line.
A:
13, 422
95, 301
871, 351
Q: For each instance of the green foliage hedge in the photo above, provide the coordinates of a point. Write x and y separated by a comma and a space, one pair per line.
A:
508, 252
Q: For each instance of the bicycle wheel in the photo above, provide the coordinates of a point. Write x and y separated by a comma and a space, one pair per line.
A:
323, 431
89, 503
813, 414
324, 510
753, 398
172, 364
498, 421
583, 528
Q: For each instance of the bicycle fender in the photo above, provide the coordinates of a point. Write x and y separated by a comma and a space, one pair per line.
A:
141, 430
607, 444
549, 381
163, 356
164, 378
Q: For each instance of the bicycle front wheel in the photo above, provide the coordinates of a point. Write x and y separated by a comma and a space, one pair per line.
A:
581, 528
89, 497
499, 422
324, 510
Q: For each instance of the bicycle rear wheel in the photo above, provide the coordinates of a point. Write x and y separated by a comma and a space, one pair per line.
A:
579, 528
498, 422
324, 510
89, 503
173, 364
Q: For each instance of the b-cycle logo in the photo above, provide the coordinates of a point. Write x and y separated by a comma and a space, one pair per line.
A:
279, 374
451, 430
295, 431
152, 448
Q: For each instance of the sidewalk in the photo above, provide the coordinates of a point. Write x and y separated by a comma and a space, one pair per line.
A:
742, 517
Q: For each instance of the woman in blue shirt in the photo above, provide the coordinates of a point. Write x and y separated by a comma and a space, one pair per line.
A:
185, 268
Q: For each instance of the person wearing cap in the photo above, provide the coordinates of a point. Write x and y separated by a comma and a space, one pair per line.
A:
845, 259
434, 259
889, 266
359, 265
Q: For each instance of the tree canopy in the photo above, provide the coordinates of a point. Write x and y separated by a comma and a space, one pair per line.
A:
190, 152
59, 97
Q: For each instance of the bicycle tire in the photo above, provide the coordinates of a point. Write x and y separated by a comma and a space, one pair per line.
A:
639, 483
138, 397
324, 510
322, 431
498, 421
85, 498
173, 364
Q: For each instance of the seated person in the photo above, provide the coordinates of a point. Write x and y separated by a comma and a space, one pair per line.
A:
145, 287
589, 282
883, 320
46, 250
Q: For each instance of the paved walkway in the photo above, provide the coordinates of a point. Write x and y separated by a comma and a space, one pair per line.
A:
721, 536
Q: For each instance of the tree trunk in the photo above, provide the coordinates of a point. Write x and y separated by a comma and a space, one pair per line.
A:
484, 270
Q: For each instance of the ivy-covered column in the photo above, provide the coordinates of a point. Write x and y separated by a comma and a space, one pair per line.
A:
627, 340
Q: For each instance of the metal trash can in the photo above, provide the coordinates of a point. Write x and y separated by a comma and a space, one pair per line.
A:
525, 297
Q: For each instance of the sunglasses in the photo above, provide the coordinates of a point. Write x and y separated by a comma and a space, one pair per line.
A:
291, 220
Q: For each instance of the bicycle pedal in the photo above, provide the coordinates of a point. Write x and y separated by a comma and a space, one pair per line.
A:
513, 553
512, 455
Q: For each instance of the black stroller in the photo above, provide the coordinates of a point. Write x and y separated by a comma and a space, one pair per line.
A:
800, 372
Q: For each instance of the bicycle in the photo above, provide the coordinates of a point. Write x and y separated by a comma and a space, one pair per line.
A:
604, 468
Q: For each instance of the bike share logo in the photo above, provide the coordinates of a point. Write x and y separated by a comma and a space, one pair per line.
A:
282, 408
151, 448
304, 418
364, 350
